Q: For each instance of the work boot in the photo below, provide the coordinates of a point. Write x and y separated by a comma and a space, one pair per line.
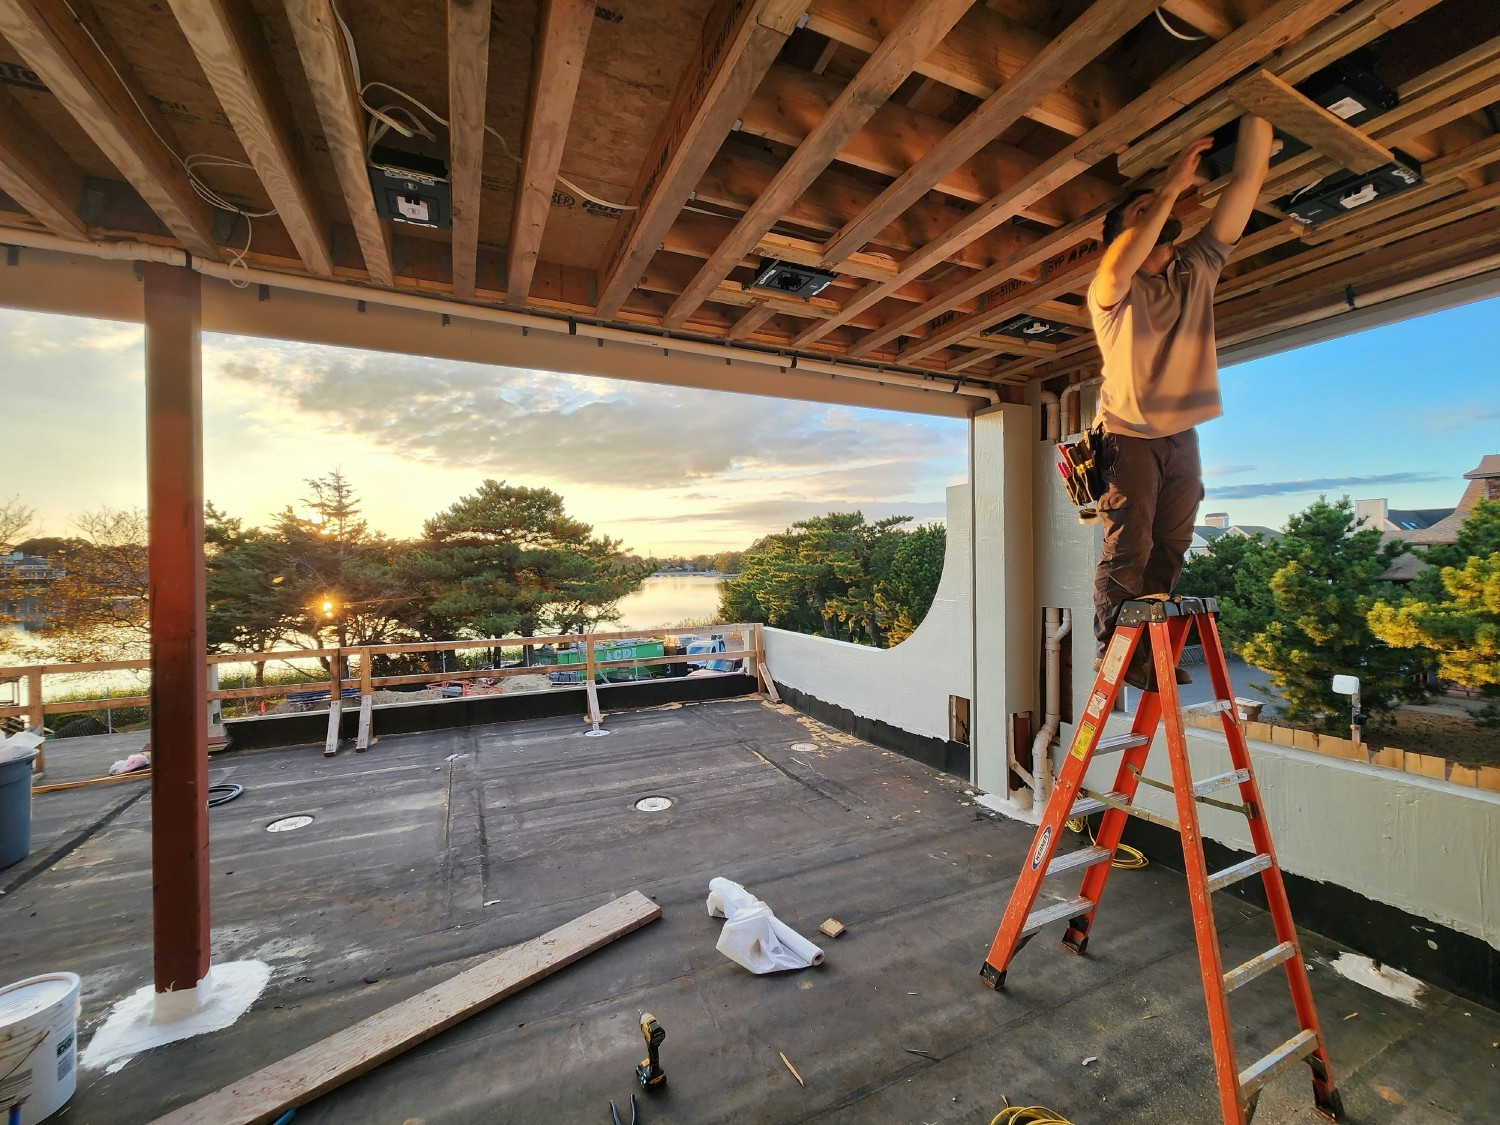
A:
1141, 673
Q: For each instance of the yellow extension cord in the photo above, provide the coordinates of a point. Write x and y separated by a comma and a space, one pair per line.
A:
1132, 859
1029, 1115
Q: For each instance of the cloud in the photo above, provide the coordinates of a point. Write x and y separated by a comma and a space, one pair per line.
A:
506, 422
1319, 484
762, 517
1459, 416
1228, 470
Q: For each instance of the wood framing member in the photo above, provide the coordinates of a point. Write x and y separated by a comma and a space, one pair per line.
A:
1088, 35
1200, 15
179, 638
37, 174
741, 39
923, 27
328, 1063
985, 50
1260, 92
325, 59
68, 55
562, 38
756, 315
1268, 32
468, 85
226, 37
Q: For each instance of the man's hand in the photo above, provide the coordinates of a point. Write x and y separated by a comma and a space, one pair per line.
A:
1183, 169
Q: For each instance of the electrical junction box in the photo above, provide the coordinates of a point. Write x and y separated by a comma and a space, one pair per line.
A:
410, 187
791, 280
1345, 191
1349, 89
1033, 329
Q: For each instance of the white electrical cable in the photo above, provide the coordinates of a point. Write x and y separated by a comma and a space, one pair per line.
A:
1162, 19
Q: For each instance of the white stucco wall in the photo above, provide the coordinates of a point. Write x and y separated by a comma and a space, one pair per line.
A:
907, 686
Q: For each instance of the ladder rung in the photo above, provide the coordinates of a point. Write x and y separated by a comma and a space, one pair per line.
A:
1219, 781
1242, 870
1080, 857
1087, 806
1055, 913
1298, 1047
1263, 963
1117, 742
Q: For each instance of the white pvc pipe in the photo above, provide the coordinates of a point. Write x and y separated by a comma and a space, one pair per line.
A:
1050, 404
146, 252
1058, 624
1072, 399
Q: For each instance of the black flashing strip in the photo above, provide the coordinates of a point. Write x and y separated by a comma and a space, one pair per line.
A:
938, 753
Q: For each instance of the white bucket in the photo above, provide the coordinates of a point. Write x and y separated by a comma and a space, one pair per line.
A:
38, 1044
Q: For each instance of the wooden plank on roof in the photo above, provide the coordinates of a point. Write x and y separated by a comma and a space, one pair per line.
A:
1260, 92
37, 174
1103, 23
226, 37
99, 91
562, 38
924, 25
468, 85
325, 59
329, 1063
741, 39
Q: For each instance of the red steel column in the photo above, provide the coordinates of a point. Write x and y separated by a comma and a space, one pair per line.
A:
179, 676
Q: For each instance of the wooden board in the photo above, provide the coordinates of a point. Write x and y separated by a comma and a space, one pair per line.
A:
299, 1078
1262, 93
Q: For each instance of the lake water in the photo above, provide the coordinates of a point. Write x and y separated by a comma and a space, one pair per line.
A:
668, 600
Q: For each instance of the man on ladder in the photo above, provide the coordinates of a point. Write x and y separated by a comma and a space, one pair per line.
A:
1152, 304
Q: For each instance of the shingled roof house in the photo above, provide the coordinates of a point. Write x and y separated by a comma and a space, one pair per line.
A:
1429, 527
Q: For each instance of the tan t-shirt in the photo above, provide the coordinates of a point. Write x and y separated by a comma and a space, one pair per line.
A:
1161, 374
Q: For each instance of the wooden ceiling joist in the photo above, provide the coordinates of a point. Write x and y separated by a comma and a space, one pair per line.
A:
1087, 36
741, 40
325, 59
883, 72
562, 38
468, 89
37, 174
231, 50
97, 90
982, 53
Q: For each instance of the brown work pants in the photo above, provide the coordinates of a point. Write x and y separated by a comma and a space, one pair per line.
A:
1149, 506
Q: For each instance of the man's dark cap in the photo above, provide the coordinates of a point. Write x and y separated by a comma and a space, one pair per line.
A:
1114, 221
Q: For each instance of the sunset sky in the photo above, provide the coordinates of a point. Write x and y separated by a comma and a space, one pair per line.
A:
1401, 412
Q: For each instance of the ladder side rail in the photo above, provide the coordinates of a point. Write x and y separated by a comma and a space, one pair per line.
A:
1324, 1089
1205, 930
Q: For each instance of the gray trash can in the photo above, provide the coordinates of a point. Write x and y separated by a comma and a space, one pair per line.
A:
15, 808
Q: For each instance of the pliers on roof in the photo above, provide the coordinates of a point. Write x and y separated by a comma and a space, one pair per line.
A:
615, 1114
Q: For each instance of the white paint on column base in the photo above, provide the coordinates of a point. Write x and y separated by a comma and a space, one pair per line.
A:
147, 1018
1382, 978
1010, 809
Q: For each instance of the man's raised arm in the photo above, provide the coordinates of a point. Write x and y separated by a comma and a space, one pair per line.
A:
1143, 224
1252, 159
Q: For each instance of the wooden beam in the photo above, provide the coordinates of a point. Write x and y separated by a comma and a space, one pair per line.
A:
984, 51
741, 38
37, 174
791, 102
1199, 15
562, 38
1088, 35
329, 1063
100, 93
755, 316
1260, 92
468, 85
924, 25
325, 59
1270, 31
226, 38
179, 638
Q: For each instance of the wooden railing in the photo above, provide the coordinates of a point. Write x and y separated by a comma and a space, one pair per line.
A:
354, 665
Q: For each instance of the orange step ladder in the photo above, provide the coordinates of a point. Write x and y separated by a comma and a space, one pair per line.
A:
1163, 624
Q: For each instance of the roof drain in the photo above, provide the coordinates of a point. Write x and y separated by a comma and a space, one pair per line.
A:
653, 804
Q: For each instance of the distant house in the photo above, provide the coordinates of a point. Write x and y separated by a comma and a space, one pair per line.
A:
1217, 524
1428, 527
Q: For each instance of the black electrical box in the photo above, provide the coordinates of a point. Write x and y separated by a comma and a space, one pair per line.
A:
410, 187
1346, 191
1349, 89
1032, 329
791, 280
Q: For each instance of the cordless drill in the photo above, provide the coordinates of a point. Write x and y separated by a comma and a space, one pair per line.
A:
650, 1072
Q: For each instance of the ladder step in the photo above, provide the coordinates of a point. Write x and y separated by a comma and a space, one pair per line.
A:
1117, 742
1087, 806
1219, 781
1242, 870
1262, 963
1055, 913
1298, 1047
1081, 857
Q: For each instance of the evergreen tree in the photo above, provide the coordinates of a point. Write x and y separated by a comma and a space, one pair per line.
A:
1324, 579
905, 593
1235, 570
